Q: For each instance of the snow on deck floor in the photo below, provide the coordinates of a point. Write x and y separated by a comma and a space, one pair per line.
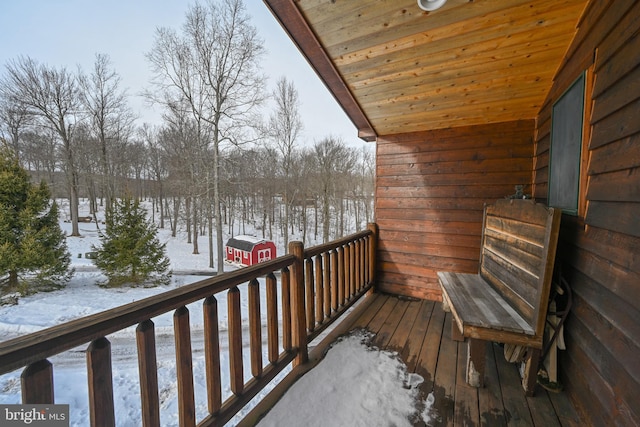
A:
354, 385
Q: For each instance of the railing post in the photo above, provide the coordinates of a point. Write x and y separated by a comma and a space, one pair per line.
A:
148, 373
255, 328
212, 354
37, 383
272, 318
235, 341
309, 300
319, 289
335, 281
184, 368
298, 311
373, 247
286, 309
101, 409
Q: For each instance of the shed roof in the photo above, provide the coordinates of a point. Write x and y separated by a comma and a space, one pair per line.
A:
244, 242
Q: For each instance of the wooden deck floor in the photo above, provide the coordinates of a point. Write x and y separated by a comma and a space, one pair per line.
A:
420, 331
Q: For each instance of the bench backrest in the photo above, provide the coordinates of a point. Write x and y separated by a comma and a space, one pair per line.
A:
519, 239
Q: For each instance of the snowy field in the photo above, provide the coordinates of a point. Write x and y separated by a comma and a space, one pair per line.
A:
354, 385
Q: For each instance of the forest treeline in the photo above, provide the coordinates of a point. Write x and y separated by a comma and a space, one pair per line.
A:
218, 158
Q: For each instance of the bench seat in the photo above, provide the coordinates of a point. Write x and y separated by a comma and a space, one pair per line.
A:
481, 312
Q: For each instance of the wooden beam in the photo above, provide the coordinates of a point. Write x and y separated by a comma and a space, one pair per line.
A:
291, 19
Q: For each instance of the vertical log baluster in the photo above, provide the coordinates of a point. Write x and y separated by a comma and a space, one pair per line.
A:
319, 289
286, 309
212, 354
352, 269
309, 295
373, 247
184, 367
335, 281
299, 333
347, 273
365, 259
363, 262
148, 372
255, 328
235, 341
341, 281
100, 383
359, 264
327, 284
272, 318
37, 383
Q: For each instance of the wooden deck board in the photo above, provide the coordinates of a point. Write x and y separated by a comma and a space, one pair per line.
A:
444, 386
466, 397
490, 403
421, 334
412, 349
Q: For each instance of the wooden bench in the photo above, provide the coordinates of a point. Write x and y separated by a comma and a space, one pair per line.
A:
507, 300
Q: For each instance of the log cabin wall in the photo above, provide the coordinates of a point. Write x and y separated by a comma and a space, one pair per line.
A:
431, 188
599, 249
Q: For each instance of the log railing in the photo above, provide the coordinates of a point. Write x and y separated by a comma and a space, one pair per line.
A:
316, 286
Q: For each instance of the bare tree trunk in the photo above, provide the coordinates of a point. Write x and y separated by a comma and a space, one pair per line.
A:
74, 201
326, 218
304, 222
315, 219
187, 211
216, 205
341, 233
210, 232
174, 217
194, 225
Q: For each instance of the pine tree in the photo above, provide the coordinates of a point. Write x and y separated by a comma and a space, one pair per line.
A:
130, 251
33, 248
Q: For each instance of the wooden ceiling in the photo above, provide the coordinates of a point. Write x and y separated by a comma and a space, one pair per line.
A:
395, 68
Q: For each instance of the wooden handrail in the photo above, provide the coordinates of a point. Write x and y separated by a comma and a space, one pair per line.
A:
21, 351
317, 285
334, 244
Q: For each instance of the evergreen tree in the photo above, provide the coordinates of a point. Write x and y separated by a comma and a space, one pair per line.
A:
33, 248
131, 252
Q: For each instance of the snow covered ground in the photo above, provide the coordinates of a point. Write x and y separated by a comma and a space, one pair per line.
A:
354, 385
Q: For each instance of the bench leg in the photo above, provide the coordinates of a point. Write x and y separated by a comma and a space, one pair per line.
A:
530, 374
445, 305
476, 353
456, 334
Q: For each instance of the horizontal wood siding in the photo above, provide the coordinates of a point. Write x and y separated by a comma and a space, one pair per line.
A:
600, 252
431, 188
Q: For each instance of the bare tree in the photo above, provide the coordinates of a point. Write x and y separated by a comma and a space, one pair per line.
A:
157, 164
212, 65
109, 114
87, 162
41, 155
333, 158
14, 119
51, 95
285, 127
367, 171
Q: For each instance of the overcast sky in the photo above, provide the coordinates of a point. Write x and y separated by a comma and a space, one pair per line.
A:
71, 32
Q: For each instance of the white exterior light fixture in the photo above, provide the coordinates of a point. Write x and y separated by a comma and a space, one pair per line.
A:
431, 5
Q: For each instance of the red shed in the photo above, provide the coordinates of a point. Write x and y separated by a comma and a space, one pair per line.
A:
249, 250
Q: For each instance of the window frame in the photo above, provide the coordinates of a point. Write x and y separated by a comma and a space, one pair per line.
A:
578, 161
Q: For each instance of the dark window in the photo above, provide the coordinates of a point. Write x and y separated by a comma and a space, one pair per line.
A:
566, 148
